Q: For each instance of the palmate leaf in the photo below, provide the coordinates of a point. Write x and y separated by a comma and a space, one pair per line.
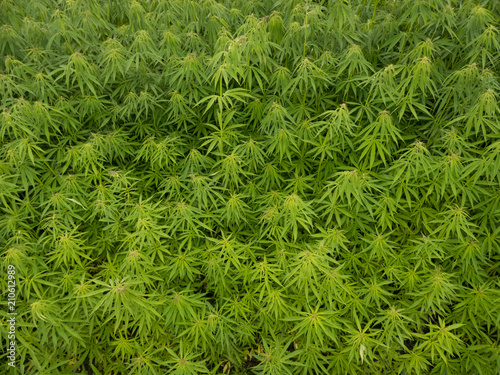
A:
69, 249
226, 134
120, 297
374, 149
227, 99
351, 187
362, 341
306, 270
274, 359
396, 326
441, 340
316, 326
185, 364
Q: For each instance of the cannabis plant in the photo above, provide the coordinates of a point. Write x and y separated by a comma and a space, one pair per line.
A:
250, 187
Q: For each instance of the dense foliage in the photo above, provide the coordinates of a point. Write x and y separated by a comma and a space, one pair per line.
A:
251, 187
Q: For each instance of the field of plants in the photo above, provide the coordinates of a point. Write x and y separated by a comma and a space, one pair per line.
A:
283, 187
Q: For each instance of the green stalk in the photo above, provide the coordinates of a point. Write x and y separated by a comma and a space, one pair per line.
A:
221, 125
305, 36
375, 2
